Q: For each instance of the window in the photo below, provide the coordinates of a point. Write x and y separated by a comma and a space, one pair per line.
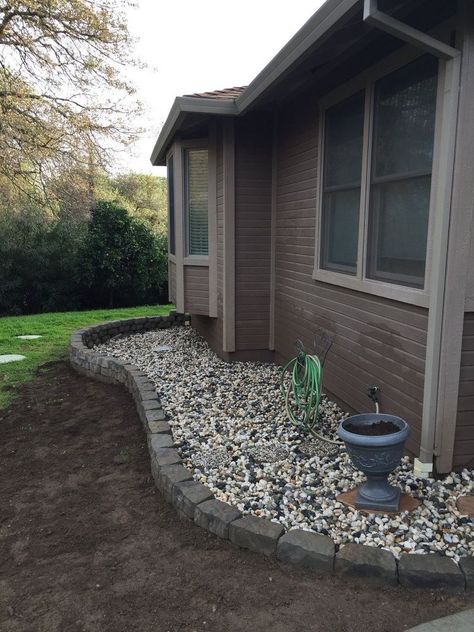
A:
375, 226
171, 211
341, 186
196, 201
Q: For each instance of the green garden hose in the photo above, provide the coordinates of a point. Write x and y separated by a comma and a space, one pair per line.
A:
303, 394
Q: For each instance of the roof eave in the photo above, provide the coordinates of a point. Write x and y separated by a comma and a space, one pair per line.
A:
309, 34
181, 107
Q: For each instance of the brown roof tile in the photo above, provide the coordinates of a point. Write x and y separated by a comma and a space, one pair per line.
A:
226, 93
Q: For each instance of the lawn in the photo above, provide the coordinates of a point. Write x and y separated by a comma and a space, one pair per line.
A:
55, 329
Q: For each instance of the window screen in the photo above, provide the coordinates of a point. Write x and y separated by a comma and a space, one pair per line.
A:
402, 155
171, 218
196, 195
344, 127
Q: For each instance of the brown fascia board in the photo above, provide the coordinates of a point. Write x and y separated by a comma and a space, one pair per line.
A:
181, 107
314, 29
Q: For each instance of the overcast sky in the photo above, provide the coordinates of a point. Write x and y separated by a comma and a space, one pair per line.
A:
198, 45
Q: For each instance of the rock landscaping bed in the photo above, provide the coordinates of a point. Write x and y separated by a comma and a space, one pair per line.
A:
230, 430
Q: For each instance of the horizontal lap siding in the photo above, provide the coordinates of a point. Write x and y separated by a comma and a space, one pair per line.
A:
172, 282
376, 341
464, 437
196, 289
253, 172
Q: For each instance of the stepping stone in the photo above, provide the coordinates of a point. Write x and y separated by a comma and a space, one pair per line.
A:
11, 357
162, 348
29, 337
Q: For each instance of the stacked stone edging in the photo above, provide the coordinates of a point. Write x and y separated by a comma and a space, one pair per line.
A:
195, 501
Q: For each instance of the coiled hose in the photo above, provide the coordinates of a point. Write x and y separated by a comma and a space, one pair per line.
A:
303, 394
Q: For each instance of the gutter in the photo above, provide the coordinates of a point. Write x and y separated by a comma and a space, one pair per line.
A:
432, 419
310, 33
181, 107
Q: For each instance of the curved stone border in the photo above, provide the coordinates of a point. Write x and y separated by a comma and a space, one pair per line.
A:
196, 502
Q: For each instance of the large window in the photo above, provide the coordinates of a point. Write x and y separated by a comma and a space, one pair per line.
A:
196, 201
376, 183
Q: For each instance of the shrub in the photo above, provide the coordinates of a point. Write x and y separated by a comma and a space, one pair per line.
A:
121, 262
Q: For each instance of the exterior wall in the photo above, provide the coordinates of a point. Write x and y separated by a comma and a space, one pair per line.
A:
172, 281
196, 289
253, 160
376, 341
464, 436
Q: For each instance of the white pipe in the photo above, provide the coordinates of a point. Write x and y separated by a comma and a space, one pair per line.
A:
441, 213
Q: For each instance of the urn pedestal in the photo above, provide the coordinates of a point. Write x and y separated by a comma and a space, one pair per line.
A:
376, 456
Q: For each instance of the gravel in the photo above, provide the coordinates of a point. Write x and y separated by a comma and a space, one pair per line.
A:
230, 428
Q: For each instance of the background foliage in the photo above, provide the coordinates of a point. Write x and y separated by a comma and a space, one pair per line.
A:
73, 257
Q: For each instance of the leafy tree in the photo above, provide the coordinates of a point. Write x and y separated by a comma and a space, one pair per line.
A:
121, 261
145, 197
63, 100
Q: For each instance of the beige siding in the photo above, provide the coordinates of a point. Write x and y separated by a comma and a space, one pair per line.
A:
376, 341
464, 437
172, 281
253, 162
196, 289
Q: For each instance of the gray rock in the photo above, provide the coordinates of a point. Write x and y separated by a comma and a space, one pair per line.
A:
159, 427
429, 571
215, 516
151, 404
307, 549
256, 534
467, 566
186, 495
164, 456
160, 441
155, 415
168, 475
366, 561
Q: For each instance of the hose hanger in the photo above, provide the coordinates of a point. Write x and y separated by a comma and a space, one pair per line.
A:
303, 394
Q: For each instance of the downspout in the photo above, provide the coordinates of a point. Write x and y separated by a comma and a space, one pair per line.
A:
441, 209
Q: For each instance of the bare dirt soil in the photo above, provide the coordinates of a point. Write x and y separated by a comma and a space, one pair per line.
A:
88, 544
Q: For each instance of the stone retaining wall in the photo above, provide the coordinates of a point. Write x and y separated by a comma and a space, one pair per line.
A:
196, 502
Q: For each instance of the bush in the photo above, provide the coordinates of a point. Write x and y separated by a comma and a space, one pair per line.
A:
37, 264
121, 261
113, 260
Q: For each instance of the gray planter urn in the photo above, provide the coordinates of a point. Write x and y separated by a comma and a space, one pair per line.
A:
376, 457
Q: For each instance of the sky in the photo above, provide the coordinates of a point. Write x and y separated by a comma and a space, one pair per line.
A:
198, 45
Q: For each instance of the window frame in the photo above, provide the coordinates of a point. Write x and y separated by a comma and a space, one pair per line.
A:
171, 195
360, 282
200, 143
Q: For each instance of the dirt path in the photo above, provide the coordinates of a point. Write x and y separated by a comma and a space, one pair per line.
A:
87, 544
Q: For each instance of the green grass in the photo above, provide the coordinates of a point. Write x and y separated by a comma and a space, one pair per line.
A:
55, 327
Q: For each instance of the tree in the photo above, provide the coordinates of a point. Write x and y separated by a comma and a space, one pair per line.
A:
145, 196
121, 261
63, 100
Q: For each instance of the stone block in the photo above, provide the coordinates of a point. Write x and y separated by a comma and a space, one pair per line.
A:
186, 495
160, 441
466, 564
168, 475
159, 427
216, 516
430, 571
366, 561
257, 534
307, 549
164, 456
154, 415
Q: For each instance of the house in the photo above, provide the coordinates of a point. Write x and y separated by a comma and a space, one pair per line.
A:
336, 192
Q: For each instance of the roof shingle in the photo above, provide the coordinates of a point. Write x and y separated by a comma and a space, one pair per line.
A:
225, 93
